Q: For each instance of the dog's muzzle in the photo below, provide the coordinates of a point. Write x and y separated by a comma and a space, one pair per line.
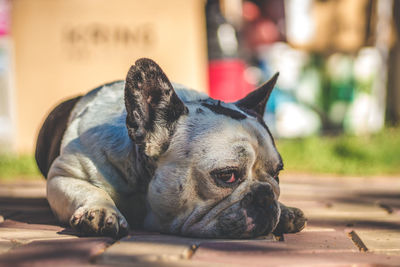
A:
256, 214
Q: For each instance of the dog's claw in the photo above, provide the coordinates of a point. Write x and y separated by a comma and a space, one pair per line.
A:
99, 221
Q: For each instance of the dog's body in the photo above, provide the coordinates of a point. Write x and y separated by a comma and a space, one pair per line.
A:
146, 153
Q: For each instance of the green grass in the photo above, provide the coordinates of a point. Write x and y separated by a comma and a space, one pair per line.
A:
345, 155
18, 167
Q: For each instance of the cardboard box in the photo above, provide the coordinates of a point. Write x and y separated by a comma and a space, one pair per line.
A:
67, 47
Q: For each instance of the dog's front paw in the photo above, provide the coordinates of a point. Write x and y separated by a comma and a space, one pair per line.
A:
99, 221
292, 220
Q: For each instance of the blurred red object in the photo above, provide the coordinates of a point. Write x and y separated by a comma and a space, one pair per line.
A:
227, 81
251, 11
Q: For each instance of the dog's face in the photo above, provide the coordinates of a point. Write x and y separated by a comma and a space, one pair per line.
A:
217, 165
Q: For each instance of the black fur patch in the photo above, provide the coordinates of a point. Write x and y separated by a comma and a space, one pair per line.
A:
219, 109
50, 136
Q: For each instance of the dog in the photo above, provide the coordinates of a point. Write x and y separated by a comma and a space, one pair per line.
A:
147, 153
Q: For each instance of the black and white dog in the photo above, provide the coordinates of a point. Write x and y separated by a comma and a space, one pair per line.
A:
145, 153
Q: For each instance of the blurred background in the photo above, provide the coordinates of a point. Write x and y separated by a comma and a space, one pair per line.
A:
336, 107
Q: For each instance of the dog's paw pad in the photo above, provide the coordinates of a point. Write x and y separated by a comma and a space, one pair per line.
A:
292, 220
99, 222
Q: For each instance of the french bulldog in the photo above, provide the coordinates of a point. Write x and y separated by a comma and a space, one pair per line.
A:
148, 153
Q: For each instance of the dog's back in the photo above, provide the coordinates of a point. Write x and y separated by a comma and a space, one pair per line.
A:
51, 134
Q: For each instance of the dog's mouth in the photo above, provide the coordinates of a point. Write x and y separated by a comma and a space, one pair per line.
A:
233, 219
201, 218
248, 222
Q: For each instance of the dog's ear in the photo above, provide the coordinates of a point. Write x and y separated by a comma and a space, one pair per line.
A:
152, 106
257, 99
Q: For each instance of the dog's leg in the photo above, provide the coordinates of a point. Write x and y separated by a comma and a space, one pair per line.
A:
292, 220
87, 208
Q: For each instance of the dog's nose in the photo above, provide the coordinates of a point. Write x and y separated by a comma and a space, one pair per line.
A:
261, 195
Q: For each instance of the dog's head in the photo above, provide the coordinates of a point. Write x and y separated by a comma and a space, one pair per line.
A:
216, 163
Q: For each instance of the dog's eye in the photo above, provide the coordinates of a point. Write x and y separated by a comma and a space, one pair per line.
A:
226, 176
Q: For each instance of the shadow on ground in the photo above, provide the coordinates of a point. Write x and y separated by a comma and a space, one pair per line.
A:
27, 210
